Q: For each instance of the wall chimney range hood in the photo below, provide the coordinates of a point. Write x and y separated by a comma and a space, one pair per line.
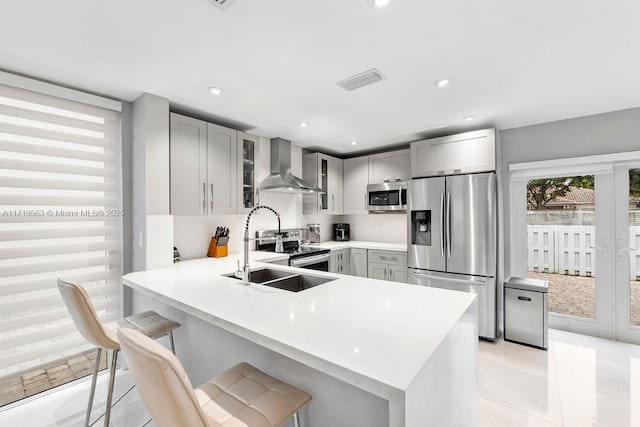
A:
281, 180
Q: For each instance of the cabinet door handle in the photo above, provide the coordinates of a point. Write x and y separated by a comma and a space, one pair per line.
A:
333, 202
524, 298
211, 198
204, 197
365, 201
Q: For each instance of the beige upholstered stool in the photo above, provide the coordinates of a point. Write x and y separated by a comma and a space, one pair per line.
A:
84, 317
242, 396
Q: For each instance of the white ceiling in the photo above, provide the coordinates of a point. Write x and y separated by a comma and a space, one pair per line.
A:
511, 63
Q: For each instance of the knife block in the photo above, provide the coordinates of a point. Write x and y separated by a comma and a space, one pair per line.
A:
217, 251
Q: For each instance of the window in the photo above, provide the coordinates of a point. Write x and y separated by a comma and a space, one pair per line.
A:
60, 216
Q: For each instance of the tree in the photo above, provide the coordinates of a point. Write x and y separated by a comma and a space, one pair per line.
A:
634, 182
542, 191
587, 181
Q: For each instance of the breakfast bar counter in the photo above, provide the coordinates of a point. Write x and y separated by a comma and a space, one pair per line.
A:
370, 352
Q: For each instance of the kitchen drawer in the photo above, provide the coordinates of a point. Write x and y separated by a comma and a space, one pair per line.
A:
388, 257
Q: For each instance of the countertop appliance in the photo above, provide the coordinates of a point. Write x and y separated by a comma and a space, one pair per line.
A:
451, 239
387, 197
314, 233
341, 232
299, 256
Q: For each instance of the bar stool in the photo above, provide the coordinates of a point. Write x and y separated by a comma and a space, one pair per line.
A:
240, 396
104, 336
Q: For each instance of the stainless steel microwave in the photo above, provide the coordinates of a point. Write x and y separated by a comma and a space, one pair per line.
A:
387, 197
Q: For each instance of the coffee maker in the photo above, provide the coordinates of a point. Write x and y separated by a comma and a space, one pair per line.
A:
314, 233
341, 232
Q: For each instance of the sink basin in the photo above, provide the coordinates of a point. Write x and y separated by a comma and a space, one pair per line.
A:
286, 280
264, 275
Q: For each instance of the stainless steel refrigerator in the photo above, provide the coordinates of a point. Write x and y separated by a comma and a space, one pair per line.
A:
452, 239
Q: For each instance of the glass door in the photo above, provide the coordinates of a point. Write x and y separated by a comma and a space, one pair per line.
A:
324, 184
247, 153
568, 236
627, 206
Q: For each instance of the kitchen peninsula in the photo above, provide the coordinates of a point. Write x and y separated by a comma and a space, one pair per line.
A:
371, 353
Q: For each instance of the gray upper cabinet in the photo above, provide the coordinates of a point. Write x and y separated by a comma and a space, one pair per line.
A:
468, 152
390, 166
356, 178
327, 173
188, 165
212, 168
221, 169
336, 190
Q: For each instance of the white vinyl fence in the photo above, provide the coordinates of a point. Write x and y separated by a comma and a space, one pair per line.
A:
570, 249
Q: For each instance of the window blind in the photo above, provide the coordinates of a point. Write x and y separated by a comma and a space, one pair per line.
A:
60, 216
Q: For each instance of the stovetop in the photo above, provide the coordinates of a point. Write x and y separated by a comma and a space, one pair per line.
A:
265, 241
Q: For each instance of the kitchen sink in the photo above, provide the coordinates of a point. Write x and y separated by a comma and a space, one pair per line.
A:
286, 280
264, 275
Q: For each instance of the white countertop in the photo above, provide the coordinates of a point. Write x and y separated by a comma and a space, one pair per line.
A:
373, 334
399, 247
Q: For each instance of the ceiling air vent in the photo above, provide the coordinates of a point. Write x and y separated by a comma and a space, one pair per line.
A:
363, 79
222, 4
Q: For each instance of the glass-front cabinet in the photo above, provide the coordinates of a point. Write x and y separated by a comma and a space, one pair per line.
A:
324, 184
247, 158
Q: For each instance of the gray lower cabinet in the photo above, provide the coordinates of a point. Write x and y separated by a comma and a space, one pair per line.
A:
378, 271
339, 262
398, 273
358, 262
387, 265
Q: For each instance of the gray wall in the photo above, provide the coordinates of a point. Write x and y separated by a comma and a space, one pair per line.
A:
150, 170
126, 126
614, 132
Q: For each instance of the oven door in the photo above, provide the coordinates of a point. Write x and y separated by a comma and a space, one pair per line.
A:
314, 262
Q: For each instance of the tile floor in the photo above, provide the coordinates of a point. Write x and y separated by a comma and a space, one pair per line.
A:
581, 381
18, 386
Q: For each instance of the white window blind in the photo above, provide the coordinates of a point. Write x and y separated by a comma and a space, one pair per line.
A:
60, 201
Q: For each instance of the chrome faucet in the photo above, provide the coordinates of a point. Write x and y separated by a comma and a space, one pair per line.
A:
244, 273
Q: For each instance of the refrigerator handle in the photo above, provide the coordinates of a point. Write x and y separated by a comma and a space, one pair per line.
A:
448, 225
442, 225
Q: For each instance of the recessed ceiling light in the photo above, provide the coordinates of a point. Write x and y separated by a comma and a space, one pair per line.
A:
441, 83
303, 124
354, 142
380, 4
215, 91
469, 118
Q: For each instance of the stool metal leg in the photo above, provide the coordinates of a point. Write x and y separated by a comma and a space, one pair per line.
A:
296, 420
92, 391
112, 377
173, 347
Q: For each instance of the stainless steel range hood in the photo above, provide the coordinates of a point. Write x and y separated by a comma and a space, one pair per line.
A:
281, 180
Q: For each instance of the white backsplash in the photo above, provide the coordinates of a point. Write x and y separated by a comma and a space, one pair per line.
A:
384, 228
192, 234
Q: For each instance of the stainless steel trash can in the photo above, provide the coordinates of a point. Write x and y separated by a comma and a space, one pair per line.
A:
526, 314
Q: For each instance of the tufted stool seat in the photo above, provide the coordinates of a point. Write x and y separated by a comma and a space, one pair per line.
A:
241, 396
